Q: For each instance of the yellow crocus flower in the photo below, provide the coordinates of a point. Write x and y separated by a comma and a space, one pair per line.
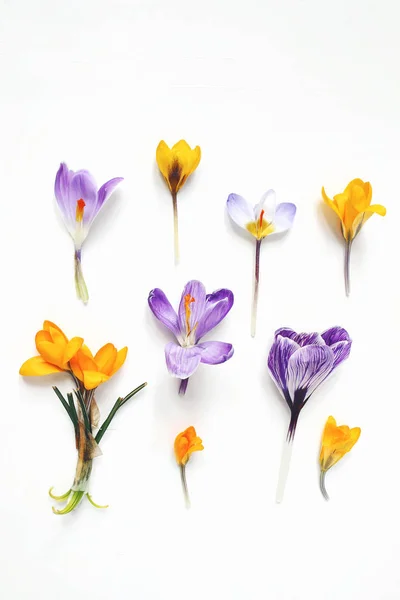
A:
55, 351
354, 208
94, 370
336, 442
185, 444
176, 164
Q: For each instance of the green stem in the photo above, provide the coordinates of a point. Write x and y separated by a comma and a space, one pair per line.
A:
120, 402
184, 485
322, 485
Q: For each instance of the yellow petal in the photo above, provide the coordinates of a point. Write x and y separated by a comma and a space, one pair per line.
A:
37, 366
72, 348
42, 336
120, 359
330, 203
86, 351
92, 379
105, 358
163, 158
363, 217
48, 324
51, 353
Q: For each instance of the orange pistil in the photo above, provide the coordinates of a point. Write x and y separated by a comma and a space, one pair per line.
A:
261, 219
188, 301
80, 206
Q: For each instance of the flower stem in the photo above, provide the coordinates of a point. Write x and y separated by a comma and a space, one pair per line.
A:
255, 294
184, 485
176, 232
347, 266
284, 469
183, 386
80, 285
322, 485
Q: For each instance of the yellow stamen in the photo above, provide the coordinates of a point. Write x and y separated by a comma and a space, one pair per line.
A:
80, 207
188, 300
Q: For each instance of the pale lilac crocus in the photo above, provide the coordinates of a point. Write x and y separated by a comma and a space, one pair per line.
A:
298, 363
80, 201
198, 313
261, 220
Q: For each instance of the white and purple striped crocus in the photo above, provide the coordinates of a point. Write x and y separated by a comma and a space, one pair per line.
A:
261, 220
298, 363
198, 313
80, 201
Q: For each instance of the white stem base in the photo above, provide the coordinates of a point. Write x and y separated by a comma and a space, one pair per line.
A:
284, 470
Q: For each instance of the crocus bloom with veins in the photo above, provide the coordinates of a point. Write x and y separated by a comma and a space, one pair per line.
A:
336, 442
198, 313
176, 164
58, 354
354, 208
261, 220
185, 444
80, 201
298, 363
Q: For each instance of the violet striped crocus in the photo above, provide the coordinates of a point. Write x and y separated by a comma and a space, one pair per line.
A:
80, 201
198, 313
261, 220
298, 363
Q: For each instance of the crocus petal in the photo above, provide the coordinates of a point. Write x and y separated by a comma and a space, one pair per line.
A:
61, 192
217, 306
305, 339
278, 359
215, 353
363, 217
182, 362
119, 361
92, 379
163, 311
333, 205
239, 210
105, 358
268, 205
37, 366
196, 290
341, 351
284, 217
83, 186
47, 325
72, 348
51, 353
106, 190
307, 369
285, 332
334, 335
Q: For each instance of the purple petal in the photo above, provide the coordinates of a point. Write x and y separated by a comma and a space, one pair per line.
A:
335, 334
285, 332
163, 311
284, 217
106, 190
217, 306
341, 351
303, 339
307, 369
83, 186
239, 210
215, 353
61, 191
278, 359
196, 290
182, 362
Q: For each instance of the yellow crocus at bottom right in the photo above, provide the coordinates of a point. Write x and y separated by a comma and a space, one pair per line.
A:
336, 442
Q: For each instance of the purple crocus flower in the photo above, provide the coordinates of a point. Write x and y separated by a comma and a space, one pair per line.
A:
299, 363
198, 313
80, 201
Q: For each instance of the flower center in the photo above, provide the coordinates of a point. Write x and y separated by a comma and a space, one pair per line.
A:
188, 312
80, 208
260, 223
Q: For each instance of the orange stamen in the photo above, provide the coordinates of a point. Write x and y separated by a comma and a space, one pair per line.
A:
188, 301
80, 206
261, 219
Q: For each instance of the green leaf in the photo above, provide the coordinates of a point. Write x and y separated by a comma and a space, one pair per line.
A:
65, 405
86, 420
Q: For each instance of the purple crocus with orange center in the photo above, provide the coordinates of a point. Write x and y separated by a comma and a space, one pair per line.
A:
298, 363
80, 201
198, 313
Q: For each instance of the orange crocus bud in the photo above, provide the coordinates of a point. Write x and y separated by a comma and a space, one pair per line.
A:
185, 444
